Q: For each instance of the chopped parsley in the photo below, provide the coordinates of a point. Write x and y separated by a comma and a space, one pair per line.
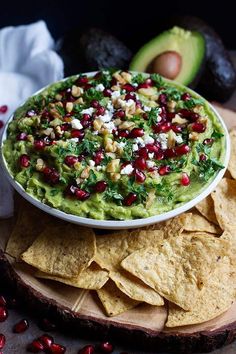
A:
216, 135
92, 94
157, 80
152, 116
207, 168
193, 102
138, 79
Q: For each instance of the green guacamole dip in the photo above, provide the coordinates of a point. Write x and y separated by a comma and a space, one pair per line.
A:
117, 145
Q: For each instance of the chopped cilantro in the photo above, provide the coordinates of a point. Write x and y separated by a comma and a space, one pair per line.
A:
172, 93
207, 168
158, 80
112, 194
90, 182
163, 189
77, 108
106, 160
138, 189
54, 192
127, 150
189, 104
203, 148
87, 146
60, 110
152, 116
138, 79
92, 94
217, 135
105, 78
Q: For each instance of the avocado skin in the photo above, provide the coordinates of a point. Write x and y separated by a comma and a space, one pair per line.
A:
92, 49
218, 80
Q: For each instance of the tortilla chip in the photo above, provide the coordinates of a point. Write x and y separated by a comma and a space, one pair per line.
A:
30, 223
215, 298
115, 301
91, 278
64, 250
113, 248
206, 208
178, 268
135, 288
224, 198
232, 161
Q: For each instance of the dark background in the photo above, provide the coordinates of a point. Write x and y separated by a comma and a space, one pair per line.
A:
134, 22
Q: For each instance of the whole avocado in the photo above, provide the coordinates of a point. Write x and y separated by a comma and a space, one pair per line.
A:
218, 80
93, 49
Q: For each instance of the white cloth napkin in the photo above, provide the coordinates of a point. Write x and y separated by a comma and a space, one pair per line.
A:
27, 63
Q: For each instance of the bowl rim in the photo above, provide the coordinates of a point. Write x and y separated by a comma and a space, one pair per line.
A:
115, 224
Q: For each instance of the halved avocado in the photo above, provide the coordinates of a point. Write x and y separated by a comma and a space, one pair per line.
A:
187, 45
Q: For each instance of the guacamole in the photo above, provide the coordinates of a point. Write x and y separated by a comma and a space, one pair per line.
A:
115, 145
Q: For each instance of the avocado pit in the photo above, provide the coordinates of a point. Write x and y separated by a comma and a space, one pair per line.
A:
167, 64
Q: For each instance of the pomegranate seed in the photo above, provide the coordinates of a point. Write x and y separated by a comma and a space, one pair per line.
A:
160, 155
57, 349
2, 340
139, 176
130, 199
39, 144
85, 123
162, 99
81, 194
145, 116
149, 82
65, 127
182, 150
3, 301
107, 92
186, 96
176, 128
51, 175
185, 180
143, 152
170, 115
75, 133
143, 85
138, 104
86, 116
1, 124
100, 187
21, 136
46, 325
130, 96
128, 87
70, 160
3, 109
170, 152
194, 116
35, 347
95, 104
119, 114
209, 141
21, 326
106, 347
136, 133
185, 113
163, 113
100, 111
140, 163
202, 157
24, 160
152, 148
198, 127
123, 133
88, 349
46, 341
162, 128
98, 157
164, 170
82, 80
87, 86
31, 113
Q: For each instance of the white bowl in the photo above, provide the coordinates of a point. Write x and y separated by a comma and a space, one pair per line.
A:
117, 224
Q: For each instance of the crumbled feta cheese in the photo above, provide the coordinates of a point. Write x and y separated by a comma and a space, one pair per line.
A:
150, 164
75, 123
127, 170
110, 107
163, 139
151, 155
148, 139
110, 126
139, 141
147, 109
125, 104
121, 144
129, 103
115, 95
178, 139
91, 163
99, 168
100, 87
135, 147
95, 132
74, 139
106, 117
88, 111
135, 84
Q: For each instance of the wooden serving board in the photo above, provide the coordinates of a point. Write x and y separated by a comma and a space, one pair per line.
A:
81, 310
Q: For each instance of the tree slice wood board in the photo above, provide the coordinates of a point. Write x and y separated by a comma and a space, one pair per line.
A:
81, 311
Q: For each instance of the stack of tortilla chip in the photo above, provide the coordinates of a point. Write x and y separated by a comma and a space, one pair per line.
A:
187, 263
